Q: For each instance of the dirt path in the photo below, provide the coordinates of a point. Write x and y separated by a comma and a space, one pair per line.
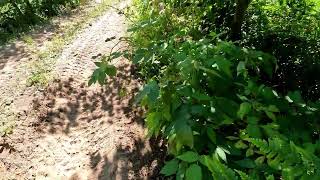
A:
72, 131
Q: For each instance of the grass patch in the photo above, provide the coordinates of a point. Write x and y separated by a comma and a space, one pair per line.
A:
40, 74
28, 40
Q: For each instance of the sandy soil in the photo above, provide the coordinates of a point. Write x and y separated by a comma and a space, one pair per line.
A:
70, 130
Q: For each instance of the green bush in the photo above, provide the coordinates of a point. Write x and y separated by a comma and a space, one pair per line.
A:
217, 103
289, 30
18, 15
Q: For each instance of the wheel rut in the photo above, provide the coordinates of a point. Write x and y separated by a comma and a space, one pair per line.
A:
73, 131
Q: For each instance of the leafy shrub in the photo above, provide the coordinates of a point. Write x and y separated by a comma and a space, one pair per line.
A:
208, 103
215, 102
17, 15
289, 30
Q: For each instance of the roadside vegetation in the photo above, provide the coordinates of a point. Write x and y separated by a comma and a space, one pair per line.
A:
21, 16
231, 86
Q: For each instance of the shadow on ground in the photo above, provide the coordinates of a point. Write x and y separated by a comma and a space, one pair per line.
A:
68, 103
131, 162
40, 33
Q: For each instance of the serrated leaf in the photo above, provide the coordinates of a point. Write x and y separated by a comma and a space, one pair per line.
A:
170, 168
260, 160
111, 70
249, 152
151, 90
139, 56
189, 157
194, 172
243, 176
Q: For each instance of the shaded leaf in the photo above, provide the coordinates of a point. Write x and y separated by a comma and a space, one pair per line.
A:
189, 156
245, 108
170, 168
246, 163
194, 172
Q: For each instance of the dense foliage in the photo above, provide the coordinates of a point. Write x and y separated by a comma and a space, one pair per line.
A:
17, 15
230, 105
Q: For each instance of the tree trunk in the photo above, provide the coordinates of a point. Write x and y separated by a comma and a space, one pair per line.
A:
241, 8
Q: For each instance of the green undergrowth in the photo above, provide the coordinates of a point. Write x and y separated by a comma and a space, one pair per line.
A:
212, 99
20, 17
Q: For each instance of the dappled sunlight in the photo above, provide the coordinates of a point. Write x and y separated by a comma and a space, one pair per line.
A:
67, 103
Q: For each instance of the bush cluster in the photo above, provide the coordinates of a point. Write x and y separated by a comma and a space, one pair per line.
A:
17, 15
244, 108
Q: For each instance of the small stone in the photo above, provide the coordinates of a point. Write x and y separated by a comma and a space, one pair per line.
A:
9, 102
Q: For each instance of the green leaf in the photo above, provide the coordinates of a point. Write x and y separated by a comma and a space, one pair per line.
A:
183, 130
151, 90
273, 108
260, 160
111, 70
218, 169
270, 115
153, 123
245, 108
270, 177
184, 134
246, 163
241, 68
220, 153
249, 152
139, 56
100, 73
243, 176
253, 129
201, 96
189, 157
198, 109
170, 168
212, 135
224, 66
194, 172
295, 97
181, 171
240, 145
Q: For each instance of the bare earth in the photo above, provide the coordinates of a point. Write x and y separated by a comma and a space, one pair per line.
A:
70, 130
